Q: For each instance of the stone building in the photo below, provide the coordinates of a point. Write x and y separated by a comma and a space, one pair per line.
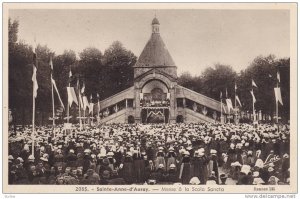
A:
155, 96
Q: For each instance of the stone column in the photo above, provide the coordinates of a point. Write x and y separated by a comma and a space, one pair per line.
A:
137, 108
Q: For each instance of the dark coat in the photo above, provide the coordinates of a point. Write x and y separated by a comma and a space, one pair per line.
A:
127, 172
185, 170
139, 169
199, 168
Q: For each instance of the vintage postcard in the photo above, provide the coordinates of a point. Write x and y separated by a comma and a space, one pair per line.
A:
150, 98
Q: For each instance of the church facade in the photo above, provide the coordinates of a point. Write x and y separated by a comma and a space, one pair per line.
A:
155, 96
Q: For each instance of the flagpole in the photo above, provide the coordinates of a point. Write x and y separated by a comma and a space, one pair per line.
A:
80, 123
33, 114
53, 111
98, 108
221, 108
221, 117
235, 96
277, 102
92, 114
84, 118
254, 118
68, 108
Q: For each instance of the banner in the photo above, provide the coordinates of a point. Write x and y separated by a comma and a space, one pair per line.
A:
229, 105
278, 95
71, 96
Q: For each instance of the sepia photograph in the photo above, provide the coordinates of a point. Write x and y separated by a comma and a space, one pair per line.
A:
150, 98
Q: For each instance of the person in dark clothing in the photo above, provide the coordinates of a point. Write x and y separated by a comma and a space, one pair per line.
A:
213, 164
126, 169
185, 168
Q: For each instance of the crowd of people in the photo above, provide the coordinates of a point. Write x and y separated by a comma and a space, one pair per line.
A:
116, 154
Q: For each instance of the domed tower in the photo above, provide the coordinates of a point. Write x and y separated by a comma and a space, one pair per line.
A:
155, 55
155, 75
155, 25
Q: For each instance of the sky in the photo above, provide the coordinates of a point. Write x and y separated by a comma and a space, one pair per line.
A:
196, 39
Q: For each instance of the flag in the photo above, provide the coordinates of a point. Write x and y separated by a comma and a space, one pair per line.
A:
278, 76
54, 84
71, 96
253, 83
229, 104
278, 95
141, 96
51, 64
80, 100
83, 88
224, 108
85, 102
221, 95
91, 107
253, 97
35, 84
238, 100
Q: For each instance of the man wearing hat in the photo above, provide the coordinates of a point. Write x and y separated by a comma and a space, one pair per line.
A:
71, 158
213, 164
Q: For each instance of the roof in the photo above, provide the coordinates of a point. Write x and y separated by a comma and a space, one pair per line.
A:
155, 54
155, 21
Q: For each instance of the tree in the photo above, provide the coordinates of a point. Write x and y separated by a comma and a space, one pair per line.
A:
90, 69
186, 80
118, 62
263, 70
62, 64
13, 28
218, 79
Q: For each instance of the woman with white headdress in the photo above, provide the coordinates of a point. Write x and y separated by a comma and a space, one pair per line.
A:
185, 168
199, 166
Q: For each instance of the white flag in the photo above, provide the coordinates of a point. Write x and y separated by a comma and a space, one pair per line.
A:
278, 95
238, 100
141, 96
224, 108
253, 97
54, 84
85, 102
253, 83
278, 76
91, 107
71, 96
229, 104
83, 89
35, 84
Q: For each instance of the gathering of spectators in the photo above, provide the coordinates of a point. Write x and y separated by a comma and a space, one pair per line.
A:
120, 154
